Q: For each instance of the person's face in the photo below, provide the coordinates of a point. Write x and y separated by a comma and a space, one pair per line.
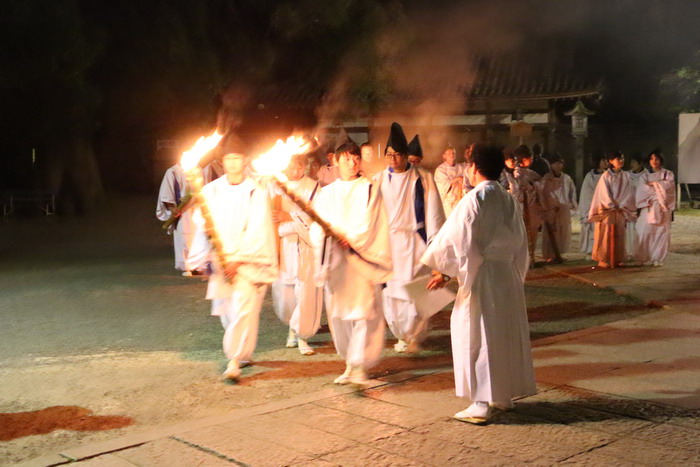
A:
415, 161
348, 165
510, 162
557, 167
367, 152
449, 156
395, 160
526, 161
635, 166
295, 171
234, 164
603, 164
655, 162
618, 163
314, 167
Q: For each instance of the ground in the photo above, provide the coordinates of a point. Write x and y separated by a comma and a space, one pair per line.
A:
101, 337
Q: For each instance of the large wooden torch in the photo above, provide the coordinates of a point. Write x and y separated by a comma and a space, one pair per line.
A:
193, 172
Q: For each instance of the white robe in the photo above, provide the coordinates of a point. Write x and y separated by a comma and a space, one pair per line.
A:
631, 230
407, 246
353, 278
584, 205
612, 205
484, 245
173, 188
657, 203
241, 217
444, 174
298, 302
558, 202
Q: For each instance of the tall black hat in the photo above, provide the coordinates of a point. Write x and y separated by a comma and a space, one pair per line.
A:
414, 147
397, 139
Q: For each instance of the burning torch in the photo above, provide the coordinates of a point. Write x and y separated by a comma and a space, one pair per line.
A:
190, 160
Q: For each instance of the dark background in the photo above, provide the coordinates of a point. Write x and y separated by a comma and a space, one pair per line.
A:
88, 86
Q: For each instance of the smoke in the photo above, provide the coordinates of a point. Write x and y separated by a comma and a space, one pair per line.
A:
418, 67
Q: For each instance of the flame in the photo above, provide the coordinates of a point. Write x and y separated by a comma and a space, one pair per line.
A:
191, 157
274, 161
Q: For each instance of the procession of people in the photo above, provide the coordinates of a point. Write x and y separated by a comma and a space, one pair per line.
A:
376, 250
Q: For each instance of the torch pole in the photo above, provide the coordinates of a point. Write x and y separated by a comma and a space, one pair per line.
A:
308, 210
181, 208
194, 177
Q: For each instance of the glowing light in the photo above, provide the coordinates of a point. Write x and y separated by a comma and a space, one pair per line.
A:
191, 157
274, 161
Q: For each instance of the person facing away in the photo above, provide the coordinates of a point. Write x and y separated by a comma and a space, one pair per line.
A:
539, 163
600, 164
558, 202
448, 178
612, 207
297, 301
239, 211
353, 264
484, 245
656, 199
636, 171
415, 215
173, 189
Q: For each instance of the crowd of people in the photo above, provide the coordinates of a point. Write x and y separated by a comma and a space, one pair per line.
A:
380, 247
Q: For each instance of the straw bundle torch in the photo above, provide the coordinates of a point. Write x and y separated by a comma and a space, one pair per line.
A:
190, 164
274, 161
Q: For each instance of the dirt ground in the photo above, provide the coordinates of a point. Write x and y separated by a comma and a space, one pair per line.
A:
100, 336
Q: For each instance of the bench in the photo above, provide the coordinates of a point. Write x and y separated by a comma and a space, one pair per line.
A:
43, 200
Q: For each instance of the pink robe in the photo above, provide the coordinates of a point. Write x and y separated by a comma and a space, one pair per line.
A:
612, 205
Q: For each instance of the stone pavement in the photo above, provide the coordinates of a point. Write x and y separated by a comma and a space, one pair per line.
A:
626, 393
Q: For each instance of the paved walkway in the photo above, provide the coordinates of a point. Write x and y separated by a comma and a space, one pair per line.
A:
626, 393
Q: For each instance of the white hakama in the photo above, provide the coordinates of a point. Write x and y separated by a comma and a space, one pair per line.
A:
298, 302
656, 197
406, 235
449, 194
242, 219
173, 188
612, 207
353, 278
558, 202
484, 245
584, 205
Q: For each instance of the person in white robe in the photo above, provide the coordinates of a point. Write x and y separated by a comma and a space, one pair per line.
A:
328, 173
241, 216
415, 153
656, 199
298, 302
612, 206
173, 189
529, 196
600, 164
484, 245
449, 178
353, 265
415, 215
558, 203
636, 171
